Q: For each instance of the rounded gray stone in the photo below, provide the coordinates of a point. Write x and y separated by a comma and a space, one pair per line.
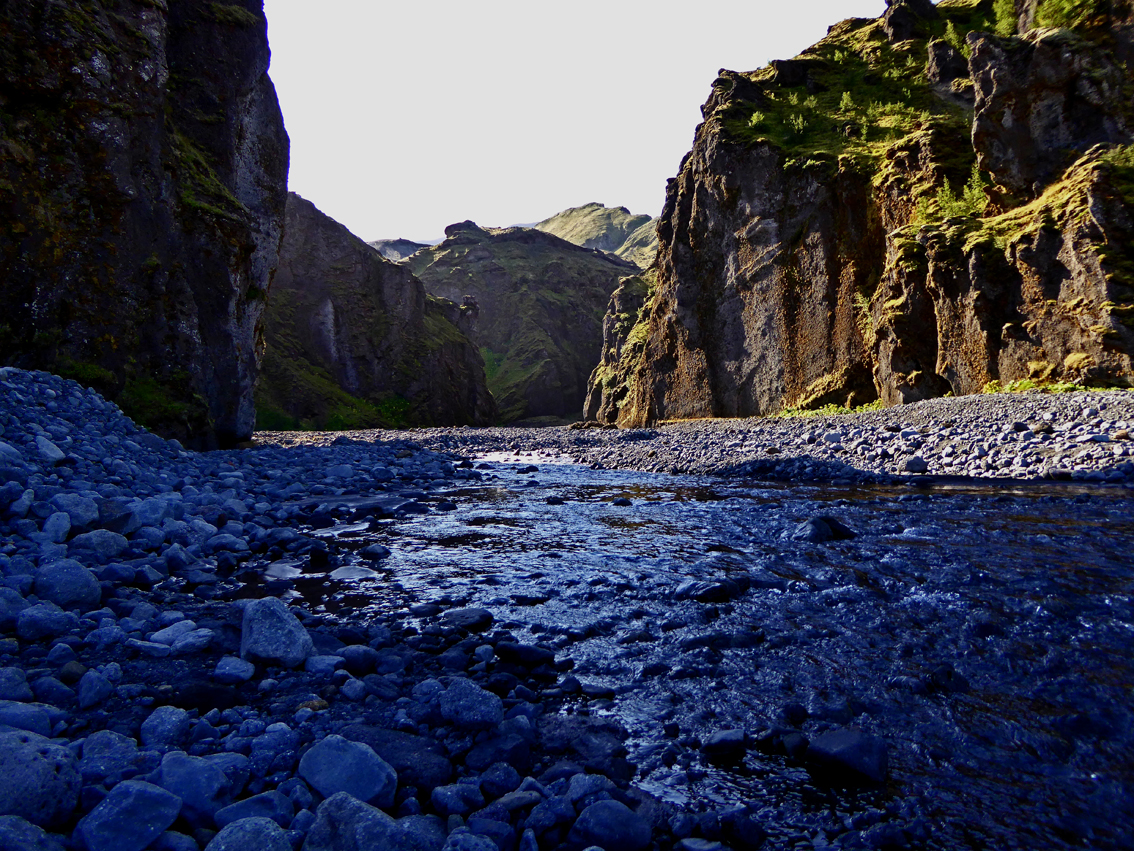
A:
68, 584
44, 620
18, 834
469, 707
610, 824
133, 815
94, 689
166, 725
344, 823
338, 765
38, 779
260, 834
80, 510
273, 635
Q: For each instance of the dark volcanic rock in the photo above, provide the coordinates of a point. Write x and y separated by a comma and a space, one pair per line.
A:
811, 255
1041, 100
142, 195
353, 339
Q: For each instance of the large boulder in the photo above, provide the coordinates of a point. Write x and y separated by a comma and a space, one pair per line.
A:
344, 823
132, 816
338, 765
68, 584
273, 635
38, 779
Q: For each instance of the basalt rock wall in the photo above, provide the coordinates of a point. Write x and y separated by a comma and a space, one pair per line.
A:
142, 186
884, 218
354, 341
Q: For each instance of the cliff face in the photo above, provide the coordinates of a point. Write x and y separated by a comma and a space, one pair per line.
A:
882, 217
353, 340
614, 230
142, 189
540, 302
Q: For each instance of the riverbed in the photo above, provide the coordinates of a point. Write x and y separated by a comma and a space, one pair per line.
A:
981, 629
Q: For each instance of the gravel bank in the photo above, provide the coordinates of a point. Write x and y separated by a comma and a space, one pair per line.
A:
1074, 436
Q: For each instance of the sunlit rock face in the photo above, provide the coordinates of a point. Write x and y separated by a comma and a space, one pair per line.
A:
827, 240
142, 193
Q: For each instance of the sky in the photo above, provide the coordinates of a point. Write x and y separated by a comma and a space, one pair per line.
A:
405, 117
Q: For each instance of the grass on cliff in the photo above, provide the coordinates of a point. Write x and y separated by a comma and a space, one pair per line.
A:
865, 93
827, 410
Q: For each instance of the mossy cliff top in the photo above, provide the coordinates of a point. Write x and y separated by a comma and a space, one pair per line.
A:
614, 230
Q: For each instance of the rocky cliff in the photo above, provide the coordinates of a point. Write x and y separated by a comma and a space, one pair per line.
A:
921, 204
354, 341
540, 301
614, 230
142, 184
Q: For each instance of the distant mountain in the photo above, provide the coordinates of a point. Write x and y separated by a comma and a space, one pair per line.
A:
397, 249
612, 229
540, 301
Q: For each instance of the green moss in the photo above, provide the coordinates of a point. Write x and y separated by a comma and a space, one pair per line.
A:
1029, 385
233, 16
200, 187
167, 406
828, 410
88, 374
1070, 13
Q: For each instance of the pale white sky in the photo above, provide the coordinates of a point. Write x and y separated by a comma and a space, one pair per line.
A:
406, 117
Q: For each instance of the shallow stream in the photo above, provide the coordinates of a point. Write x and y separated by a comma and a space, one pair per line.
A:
984, 632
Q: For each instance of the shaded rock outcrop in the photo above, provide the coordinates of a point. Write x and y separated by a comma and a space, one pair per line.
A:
142, 188
354, 341
875, 220
614, 230
541, 302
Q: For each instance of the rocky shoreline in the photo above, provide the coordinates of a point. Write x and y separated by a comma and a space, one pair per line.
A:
1082, 436
156, 693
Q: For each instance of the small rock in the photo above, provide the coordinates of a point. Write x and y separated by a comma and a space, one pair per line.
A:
14, 685
18, 834
94, 689
344, 823
915, 464
232, 670
469, 707
166, 725
68, 584
850, 755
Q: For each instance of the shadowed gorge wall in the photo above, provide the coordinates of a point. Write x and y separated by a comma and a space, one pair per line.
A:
142, 189
354, 341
